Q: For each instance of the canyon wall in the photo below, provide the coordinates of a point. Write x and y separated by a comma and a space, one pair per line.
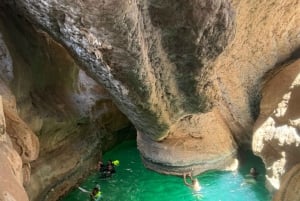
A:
155, 65
276, 132
55, 119
188, 75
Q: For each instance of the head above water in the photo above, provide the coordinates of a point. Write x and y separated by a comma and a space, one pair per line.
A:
95, 191
252, 170
196, 185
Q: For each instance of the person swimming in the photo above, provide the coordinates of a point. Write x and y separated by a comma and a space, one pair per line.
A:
251, 178
96, 194
195, 185
253, 172
100, 166
108, 170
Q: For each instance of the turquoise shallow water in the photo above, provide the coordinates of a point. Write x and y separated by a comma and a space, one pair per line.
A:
133, 182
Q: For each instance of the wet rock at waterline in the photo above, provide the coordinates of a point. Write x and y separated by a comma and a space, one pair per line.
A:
191, 146
49, 101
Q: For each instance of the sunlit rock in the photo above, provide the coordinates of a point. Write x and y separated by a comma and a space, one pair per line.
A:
191, 146
11, 185
276, 138
162, 62
51, 103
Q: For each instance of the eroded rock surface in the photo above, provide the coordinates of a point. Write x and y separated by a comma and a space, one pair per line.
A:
135, 49
12, 173
49, 101
290, 185
276, 137
152, 61
191, 145
19, 146
172, 68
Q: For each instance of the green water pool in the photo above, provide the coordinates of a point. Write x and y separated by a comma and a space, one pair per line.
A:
133, 182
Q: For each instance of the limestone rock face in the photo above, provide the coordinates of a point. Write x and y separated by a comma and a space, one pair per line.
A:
191, 145
172, 67
291, 185
56, 116
134, 48
153, 57
265, 37
19, 146
276, 136
11, 185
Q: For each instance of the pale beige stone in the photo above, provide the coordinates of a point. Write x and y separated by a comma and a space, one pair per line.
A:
276, 135
149, 55
290, 190
11, 185
191, 146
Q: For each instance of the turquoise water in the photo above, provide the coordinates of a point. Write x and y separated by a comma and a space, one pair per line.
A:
133, 182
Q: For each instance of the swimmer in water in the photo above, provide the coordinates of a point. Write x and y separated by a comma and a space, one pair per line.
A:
195, 183
253, 172
251, 178
95, 195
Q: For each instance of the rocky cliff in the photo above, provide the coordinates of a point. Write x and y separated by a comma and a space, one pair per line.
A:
185, 73
55, 119
276, 132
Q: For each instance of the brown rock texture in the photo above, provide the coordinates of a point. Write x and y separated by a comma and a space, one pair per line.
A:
276, 134
154, 63
191, 145
11, 185
137, 55
291, 183
181, 71
266, 36
19, 146
58, 120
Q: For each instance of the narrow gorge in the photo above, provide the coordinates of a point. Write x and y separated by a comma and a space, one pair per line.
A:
192, 81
